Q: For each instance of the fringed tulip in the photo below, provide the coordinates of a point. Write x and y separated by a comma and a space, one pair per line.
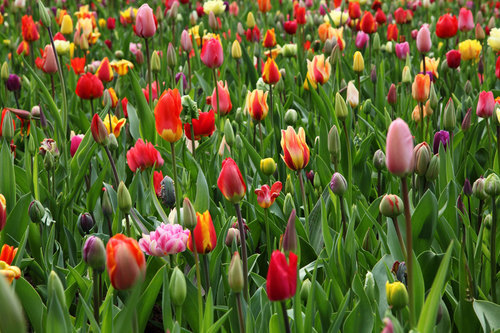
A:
399, 149
125, 261
266, 196
257, 104
281, 281
167, 112
143, 155
230, 181
295, 150
204, 234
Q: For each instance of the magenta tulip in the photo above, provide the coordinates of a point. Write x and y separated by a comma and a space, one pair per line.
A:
485, 104
212, 54
399, 148
402, 50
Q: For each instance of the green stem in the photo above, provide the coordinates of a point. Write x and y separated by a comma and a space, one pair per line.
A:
193, 141
113, 167
342, 214
304, 199
198, 282
95, 278
349, 164
498, 146
493, 252
268, 234
178, 314
240, 313
206, 273
285, 317
128, 225
244, 258
400, 237
217, 95
176, 184
409, 261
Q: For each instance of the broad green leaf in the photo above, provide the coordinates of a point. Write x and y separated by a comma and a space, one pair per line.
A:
148, 299
31, 302
488, 314
10, 307
7, 179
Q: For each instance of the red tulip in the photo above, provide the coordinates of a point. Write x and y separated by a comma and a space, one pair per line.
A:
225, 104
400, 15
399, 149
230, 181
270, 72
75, 143
8, 253
380, 17
354, 10
145, 22
167, 112
446, 26
154, 91
212, 54
368, 23
23, 48
125, 261
204, 234
89, 87
105, 72
266, 195
497, 68
485, 104
299, 13
29, 29
78, 65
99, 131
453, 58
157, 178
203, 126
143, 155
111, 23
281, 277
392, 32
290, 27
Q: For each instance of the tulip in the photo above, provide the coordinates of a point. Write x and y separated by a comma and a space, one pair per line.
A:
121, 67
446, 26
75, 143
230, 181
94, 253
257, 104
215, 6
89, 87
236, 50
319, 69
368, 24
299, 13
399, 149
281, 281
485, 104
358, 62
424, 42
465, 20
397, 296
3, 211
290, 27
400, 15
420, 87
453, 58
380, 16
225, 105
295, 149
167, 112
164, 240
480, 34
494, 39
270, 72
49, 64
352, 95
125, 261
392, 97
289, 241
99, 132
85, 222
186, 42
203, 126
8, 253
361, 39
392, 32
212, 54
441, 137
142, 156
204, 234
9, 272
402, 50
235, 274
177, 287
67, 25
104, 71
338, 184
266, 196
269, 39
29, 29
145, 22
354, 10
391, 205
470, 49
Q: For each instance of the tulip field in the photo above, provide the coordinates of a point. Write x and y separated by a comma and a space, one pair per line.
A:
249, 166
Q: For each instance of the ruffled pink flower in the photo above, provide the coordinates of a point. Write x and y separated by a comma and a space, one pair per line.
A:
166, 239
266, 195
142, 156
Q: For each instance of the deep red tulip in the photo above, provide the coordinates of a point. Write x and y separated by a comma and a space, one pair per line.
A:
380, 17
111, 23
368, 23
497, 68
446, 26
143, 155
212, 54
400, 16
354, 10
230, 181
392, 32
203, 126
290, 27
453, 58
89, 87
281, 281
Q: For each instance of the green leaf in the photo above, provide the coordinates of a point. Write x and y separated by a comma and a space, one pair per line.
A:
156, 202
488, 314
148, 299
274, 324
428, 316
17, 221
424, 222
11, 310
31, 302
134, 122
144, 113
7, 179
202, 200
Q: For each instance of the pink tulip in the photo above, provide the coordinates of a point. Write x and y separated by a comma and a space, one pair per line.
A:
424, 42
145, 22
49, 60
75, 143
361, 39
212, 54
402, 50
485, 104
224, 99
186, 43
465, 20
399, 148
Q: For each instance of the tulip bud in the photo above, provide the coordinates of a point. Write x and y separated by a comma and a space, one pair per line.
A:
391, 205
167, 192
492, 185
370, 286
373, 74
155, 62
449, 117
236, 50
329, 44
189, 214
397, 296
233, 234
139, 57
55, 290
124, 199
119, 54
107, 208
36, 211
291, 117
422, 156
335, 55
112, 142
466, 121
212, 21
433, 168
5, 71
288, 205
44, 14
340, 107
392, 96
334, 147
478, 189
305, 290
99, 131
433, 99
289, 185
338, 184
376, 42
7, 127
379, 160
177, 287
467, 187
229, 133
49, 161
238, 142
193, 18
235, 274
85, 223
186, 42
94, 253
250, 20
480, 35
468, 88
358, 62
406, 75
267, 166
290, 237
171, 58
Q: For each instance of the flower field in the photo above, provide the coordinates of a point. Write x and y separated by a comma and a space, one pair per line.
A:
249, 166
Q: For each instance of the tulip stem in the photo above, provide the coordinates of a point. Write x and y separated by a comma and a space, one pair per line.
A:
92, 106
304, 199
150, 88
193, 141
198, 281
285, 317
349, 163
493, 252
400, 237
268, 234
342, 214
95, 278
176, 184
113, 166
128, 225
178, 314
240, 313
421, 107
479, 215
488, 129
409, 256
206, 273
498, 146
243, 250
189, 71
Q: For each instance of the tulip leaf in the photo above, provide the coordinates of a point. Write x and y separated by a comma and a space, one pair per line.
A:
90, 316
7, 179
424, 222
144, 112
10, 307
202, 201
254, 156
148, 299
154, 197
134, 122
17, 221
487, 312
31, 302
274, 324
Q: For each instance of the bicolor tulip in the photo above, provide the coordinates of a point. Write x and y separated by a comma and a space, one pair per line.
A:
295, 150
225, 104
99, 131
212, 54
204, 234
257, 104
125, 261
264, 5
319, 69
167, 112
203, 126
446, 26
281, 281
269, 39
145, 22
465, 20
8, 253
121, 67
392, 32
3, 211
421, 87
75, 143
166, 239
29, 29
230, 181
143, 155
116, 124
402, 50
431, 65
352, 95
23, 48
9, 272
399, 149
270, 72
267, 195
89, 87
104, 71
485, 104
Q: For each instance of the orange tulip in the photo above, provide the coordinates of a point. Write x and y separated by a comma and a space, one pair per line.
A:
125, 261
318, 69
295, 149
105, 72
264, 5
8, 253
420, 87
204, 234
257, 104
271, 73
269, 39
167, 112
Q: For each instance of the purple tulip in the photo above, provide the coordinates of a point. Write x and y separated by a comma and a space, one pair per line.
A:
442, 137
180, 75
13, 82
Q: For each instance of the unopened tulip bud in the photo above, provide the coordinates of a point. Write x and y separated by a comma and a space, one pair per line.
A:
107, 208
288, 205
373, 74
236, 50
99, 131
376, 42
189, 214
289, 185
193, 18
467, 187
424, 42
391, 205
338, 184
94, 253
466, 121
449, 117
392, 96
370, 286
468, 88
44, 14
171, 58
186, 42
7, 126
177, 287
397, 295
233, 234
335, 55
480, 35
212, 21
422, 155
492, 185
124, 199
238, 142
55, 290
85, 223
289, 50
267, 166
167, 192
119, 54
329, 44
406, 75
235, 274
433, 168
291, 117
358, 62
5, 71
250, 20
155, 61
36, 211
229, 133
112, 142
290, 237
379, 160
478, 189
340, 107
